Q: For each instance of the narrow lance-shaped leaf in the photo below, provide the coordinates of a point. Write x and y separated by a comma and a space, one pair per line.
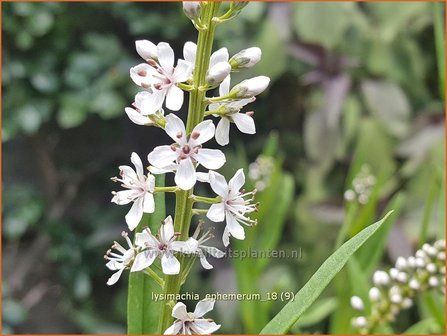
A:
293, 310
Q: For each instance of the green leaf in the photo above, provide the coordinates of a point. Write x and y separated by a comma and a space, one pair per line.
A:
293, 310
426, 326
142, 311
317, 312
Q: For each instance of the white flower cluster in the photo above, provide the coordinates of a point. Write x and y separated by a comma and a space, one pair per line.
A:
362, 186
163, 81
396, 289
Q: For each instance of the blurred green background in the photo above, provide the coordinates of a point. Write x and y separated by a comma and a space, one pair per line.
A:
353, 85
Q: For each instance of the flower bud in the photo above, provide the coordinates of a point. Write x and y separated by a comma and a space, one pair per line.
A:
407, 303
401, 263
431, 268
218, 73
440, 244
250, 87
381, 278
414, 284
402, 277
393, 273
146, 49
374, 294
357, 303
359, 322
433, 281
245, 58
191, 9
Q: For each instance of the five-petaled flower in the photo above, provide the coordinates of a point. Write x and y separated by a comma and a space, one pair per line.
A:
163, 246
187, 151
138, 115
119, 262
234, 205
140, 190
192, 323
161, 77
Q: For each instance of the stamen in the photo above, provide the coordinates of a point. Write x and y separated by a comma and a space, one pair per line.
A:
179, 135
142, 73
250, 113
195, 135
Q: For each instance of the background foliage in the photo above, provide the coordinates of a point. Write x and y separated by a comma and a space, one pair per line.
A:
352, 85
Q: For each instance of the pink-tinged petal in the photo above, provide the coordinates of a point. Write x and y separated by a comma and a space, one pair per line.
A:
223, 131
224, 88
166, 56
135, 214
203, 307
216, 212
189, 52
220, 55
174, 329
169, 264
210, 158
153, 103
185, 177
237, 181
235, 229
166, 230
146, 49
226, 237
244, 123
162, 156
204, 131
135, 159
128, 174
205, 264
142, 74
123, 197
146, 239
204, 326
218, 184
137, 117
182, 71
179, 311
148, 203
175, 128
115, 277
174, 98
143, 260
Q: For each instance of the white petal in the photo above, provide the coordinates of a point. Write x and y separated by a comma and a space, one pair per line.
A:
174, 98
135, 214
205, 130
189, 52
175, 128
169, 264
166, 230
128, 174
137, 118
237, 181
215, 252
146, 239
150, 183
180, 246
216, 212
167, 169
235, 229
148, 203
143, 260
179, 311
115, 277
205, 326
203, 177
218, 184
210, 158
123, 197
146, 49
224, 88
220, 55
185, 177
137, 163
205, 264
162, 156
153, 103
165, 56
226, 237
244, 123
190, 246
182, 71
141, 96
223, 131
174, 329
217, 73
114, 265
203, 307
142, 74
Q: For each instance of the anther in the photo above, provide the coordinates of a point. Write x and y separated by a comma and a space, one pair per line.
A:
195, 135
186, 149
142, 73
250, 113
179, 135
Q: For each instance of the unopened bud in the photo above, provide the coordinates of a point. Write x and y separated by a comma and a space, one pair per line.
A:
191, 9
381, 278
146, 49
218, 73
250, 87
359, 322
374, 294
433, 281
414, 284
246, 58
407, 303
401, 263
357, 303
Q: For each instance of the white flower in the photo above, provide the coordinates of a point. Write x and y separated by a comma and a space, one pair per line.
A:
119, 262
230, 113
246, 58
218, 62
195, 245
146, 49
233, 207
186, 151
164, 247
161, 76
140, 190
192, 323
250, 87
138, 114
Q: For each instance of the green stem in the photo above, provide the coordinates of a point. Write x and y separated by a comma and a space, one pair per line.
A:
154, 276
166, 189
208, 200
197, 105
